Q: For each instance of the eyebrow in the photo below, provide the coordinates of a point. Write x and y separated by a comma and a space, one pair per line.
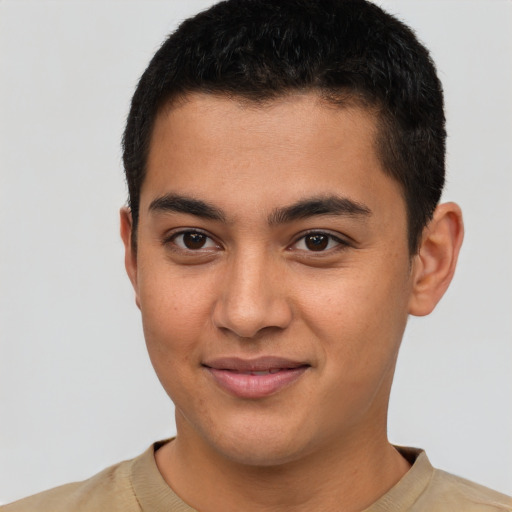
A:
183, 204
309, 207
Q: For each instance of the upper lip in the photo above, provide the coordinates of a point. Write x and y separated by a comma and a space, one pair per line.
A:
253, 365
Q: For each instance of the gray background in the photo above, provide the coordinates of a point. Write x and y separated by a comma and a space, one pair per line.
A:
77, 392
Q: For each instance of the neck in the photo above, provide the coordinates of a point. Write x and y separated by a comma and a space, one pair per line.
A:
346, 474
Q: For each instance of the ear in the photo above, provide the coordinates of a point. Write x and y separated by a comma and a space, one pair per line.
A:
130, 255
435, 262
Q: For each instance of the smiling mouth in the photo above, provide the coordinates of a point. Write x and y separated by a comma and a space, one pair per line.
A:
263, 372
256, 378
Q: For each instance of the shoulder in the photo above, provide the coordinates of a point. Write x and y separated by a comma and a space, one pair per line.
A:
426, 489
451, 492
110, 490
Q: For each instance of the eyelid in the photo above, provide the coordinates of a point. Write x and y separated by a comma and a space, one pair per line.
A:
342, 241
170, 236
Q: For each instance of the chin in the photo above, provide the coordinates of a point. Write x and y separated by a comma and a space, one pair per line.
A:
259, 445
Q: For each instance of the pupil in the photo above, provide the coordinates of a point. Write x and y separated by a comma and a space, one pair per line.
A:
194, 240
316, 242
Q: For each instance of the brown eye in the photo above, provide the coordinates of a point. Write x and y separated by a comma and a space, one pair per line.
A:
316, 242
194, 240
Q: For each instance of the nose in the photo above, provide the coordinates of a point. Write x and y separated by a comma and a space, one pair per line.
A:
252, 298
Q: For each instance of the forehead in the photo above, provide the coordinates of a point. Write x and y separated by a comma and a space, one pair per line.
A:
236, 151
293, 118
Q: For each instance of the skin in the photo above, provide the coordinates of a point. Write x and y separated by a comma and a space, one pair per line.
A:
256, 288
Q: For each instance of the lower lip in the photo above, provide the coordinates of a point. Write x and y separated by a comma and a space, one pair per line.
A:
256, 386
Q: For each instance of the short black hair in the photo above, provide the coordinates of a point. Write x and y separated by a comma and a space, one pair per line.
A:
346, 50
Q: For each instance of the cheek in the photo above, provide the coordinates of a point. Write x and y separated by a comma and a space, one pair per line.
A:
358, 327
175, 316
359, 318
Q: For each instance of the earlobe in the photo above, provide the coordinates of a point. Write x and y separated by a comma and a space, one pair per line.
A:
130, 256
435, 262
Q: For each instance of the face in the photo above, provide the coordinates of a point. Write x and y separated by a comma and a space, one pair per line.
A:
273, 275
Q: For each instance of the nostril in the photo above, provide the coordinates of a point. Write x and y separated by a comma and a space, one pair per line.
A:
251, 323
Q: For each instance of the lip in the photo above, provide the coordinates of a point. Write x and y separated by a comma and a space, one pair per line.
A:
255, 378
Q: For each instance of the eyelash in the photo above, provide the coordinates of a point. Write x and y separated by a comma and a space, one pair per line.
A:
171, 240
340, 243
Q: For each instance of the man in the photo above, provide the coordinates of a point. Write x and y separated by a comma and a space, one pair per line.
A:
285, 162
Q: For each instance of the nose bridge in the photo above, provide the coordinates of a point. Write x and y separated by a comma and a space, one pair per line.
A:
252, 297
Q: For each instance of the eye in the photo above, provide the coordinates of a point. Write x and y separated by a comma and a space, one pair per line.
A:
193, 241
318, 242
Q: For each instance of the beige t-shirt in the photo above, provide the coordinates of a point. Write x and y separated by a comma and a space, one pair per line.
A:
137, 486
